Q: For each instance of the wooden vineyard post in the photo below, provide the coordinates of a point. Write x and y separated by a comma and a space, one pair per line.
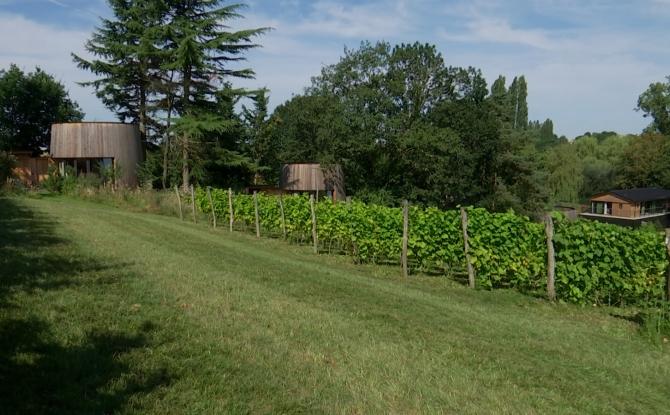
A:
181, 211
211, 204
193, 203
551, 259
283, 216
258, 225
314, 234
230, 208
405, 238
466, 247
667, 282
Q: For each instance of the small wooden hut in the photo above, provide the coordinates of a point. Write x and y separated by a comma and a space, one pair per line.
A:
90, 146
313, 178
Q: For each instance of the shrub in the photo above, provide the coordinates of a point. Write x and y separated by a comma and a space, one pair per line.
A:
7, 164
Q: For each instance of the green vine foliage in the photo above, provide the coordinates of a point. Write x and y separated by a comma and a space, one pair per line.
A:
507, 250
607, 264
595, 262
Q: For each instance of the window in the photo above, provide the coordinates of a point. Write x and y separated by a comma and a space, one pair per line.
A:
601, 208
85, 166
653, 207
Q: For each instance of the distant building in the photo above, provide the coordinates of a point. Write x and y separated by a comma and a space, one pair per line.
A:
88, 147
311, 178
630, 207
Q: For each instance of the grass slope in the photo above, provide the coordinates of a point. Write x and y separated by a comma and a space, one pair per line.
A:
104, 310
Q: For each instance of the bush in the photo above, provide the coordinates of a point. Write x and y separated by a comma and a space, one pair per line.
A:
54, 180
7, 164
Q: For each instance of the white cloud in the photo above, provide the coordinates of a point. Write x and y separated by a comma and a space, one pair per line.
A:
373, 20
496, 30
34, 44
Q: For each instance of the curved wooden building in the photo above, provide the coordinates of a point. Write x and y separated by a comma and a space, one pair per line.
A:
89, 146
313, 178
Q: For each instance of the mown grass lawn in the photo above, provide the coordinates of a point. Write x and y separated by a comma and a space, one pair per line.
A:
108, 311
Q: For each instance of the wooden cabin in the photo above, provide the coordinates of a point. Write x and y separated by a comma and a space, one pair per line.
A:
90, 146
31, 170
631, 207
313, 178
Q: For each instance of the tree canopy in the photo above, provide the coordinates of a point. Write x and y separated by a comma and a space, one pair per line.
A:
167, 64
29, 104
655, 103
401, 122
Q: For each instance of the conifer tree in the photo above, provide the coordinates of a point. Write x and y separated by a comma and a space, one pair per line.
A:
123, 49
202, 52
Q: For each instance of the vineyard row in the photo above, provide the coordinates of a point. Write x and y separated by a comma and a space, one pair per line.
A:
594, 262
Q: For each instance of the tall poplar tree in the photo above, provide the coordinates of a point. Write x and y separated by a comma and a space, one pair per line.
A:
518, 104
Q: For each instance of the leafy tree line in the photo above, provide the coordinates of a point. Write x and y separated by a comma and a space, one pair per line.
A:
29, 104
404, 125
401, 122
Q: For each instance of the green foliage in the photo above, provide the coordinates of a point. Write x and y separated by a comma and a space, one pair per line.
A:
508, 250
7, 163
608, 264
594, 163
655, 103
646, 162
54, 180
595, 262
29, 104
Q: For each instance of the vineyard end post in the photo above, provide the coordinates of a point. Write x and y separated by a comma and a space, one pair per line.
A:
230, 208
466, 248
314, 233
193, 203
283, 216
405, 238
211, 204
551, 257
258, 224
181, 211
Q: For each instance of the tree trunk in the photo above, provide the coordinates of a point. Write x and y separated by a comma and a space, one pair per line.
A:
185, 169
166, 144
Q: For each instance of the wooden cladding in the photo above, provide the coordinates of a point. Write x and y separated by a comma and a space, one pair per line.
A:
88, 140
312, 177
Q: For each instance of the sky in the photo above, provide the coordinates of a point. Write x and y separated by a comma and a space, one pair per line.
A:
586, 62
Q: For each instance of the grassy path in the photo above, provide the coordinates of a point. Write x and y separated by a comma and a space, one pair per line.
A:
106, 311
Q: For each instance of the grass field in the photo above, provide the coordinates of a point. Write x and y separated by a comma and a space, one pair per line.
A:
108, 311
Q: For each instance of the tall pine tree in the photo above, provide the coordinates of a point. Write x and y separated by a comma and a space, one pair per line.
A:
123, 48
202, 53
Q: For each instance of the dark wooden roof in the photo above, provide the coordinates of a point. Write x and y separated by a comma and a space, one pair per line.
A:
646, 194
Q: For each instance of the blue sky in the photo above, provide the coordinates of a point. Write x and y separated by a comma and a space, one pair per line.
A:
585, 61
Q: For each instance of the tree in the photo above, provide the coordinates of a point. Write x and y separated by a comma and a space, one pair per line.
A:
646, 162
29, 104
518, 104
255, 120
124, 47
655, 103
565, 173
417, 81
201, 50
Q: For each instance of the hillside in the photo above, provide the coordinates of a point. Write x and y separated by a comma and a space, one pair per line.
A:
104, 310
